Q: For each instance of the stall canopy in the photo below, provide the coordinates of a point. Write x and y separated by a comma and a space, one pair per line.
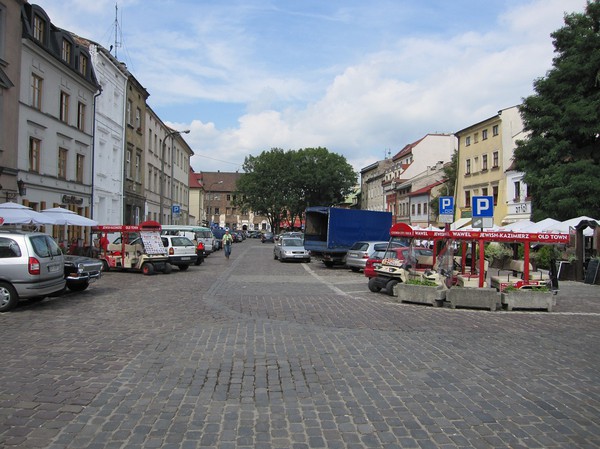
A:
14, 213
64, 216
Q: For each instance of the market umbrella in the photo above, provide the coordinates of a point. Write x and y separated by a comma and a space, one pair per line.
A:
64, 216
14, 213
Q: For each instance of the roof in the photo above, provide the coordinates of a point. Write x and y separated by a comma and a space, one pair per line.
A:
425, 189
218, 181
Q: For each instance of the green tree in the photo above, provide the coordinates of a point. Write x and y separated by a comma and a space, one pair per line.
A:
449, 178
281, 184
560, 156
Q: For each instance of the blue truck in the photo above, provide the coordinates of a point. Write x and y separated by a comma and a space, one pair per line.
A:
329, 232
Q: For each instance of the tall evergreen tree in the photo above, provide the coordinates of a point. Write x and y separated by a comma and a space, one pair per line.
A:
561, 155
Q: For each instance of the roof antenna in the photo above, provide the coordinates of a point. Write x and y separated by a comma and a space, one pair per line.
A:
117, 43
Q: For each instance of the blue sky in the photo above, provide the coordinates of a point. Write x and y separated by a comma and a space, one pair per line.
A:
358, 77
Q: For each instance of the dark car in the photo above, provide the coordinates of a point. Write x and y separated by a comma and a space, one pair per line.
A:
267, 237
81, 271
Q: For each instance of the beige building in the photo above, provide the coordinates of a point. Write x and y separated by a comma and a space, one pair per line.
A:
485, 153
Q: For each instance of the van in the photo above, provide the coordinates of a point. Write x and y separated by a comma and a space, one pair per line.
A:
194, 233
31, 267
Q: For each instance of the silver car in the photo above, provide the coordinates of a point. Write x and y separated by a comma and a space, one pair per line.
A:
290, 249
31, 266
357, 256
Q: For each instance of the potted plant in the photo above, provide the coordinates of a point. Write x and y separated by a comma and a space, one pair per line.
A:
535, 297
420, 291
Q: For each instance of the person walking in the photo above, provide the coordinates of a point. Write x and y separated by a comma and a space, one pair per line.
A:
227, 242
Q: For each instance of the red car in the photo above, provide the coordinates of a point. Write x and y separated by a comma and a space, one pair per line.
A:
393, 253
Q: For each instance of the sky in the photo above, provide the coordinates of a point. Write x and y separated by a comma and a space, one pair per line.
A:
360, 78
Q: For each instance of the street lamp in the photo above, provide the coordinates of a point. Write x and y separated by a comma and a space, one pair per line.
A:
208, 205
162, 172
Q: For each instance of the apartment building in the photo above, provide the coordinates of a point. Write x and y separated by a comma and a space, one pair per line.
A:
411, 170
371, 188
109, 135
58, 89
485, 168
10, 69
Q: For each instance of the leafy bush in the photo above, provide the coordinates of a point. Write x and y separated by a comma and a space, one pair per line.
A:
424, 282
544, 255
495, 250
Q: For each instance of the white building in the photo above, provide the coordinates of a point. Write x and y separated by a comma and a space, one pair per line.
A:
109, 136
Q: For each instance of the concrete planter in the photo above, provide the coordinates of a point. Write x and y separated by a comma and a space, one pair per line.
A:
421, 294
476, 298
528, 299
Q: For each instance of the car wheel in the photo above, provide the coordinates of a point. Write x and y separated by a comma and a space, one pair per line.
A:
148, 269
78, 286
328, 264
8, 297
355, 269
168, 268
389, 287
274, 256
105, 266
374, 286
183, 267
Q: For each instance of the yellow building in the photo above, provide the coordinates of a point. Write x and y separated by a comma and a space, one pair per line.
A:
485, 152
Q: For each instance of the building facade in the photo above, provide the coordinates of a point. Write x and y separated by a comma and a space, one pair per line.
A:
109, 136
56, 120
371, 187
10, 82
485, 154
134, 202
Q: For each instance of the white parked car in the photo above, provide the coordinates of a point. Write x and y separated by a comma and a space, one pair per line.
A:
181, 251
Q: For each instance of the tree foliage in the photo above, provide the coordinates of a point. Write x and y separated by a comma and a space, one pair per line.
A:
450, 171
560, 156
282, 184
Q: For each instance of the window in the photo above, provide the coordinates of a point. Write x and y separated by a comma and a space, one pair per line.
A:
62, 163
81, 116
64, 107
475, 137
138, 163
484, 166
424, 208
79, 168
467, 199
217, 211
83, 63
468, 140
35, 146
495, 130
495, 159
128, 164
228, 197
468, 167
495, 195
412, 207
39, 28
138, 118
484, 191
129, 106
36, 92
419, 209
484, 134
66, 51
517, 185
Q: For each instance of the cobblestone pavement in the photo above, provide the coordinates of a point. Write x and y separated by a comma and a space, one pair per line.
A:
253, 353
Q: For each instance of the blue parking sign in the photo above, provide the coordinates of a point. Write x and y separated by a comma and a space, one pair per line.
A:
175, 209
483, 206
446, 205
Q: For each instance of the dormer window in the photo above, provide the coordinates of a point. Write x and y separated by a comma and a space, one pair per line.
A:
39, 28
83, 63
66, 51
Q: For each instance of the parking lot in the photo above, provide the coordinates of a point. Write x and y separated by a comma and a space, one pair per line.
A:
253, 353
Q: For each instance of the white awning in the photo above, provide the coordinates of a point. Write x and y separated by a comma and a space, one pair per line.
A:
460, 223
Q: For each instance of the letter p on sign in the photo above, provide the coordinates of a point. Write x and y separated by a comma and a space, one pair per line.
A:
483, 206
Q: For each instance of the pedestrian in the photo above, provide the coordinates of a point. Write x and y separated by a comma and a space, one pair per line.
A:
227, 241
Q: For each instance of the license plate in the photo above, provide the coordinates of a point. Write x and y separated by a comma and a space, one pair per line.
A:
53, 268
185, 258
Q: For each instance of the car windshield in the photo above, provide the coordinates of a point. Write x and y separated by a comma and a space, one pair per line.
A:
360, 246
292, 242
